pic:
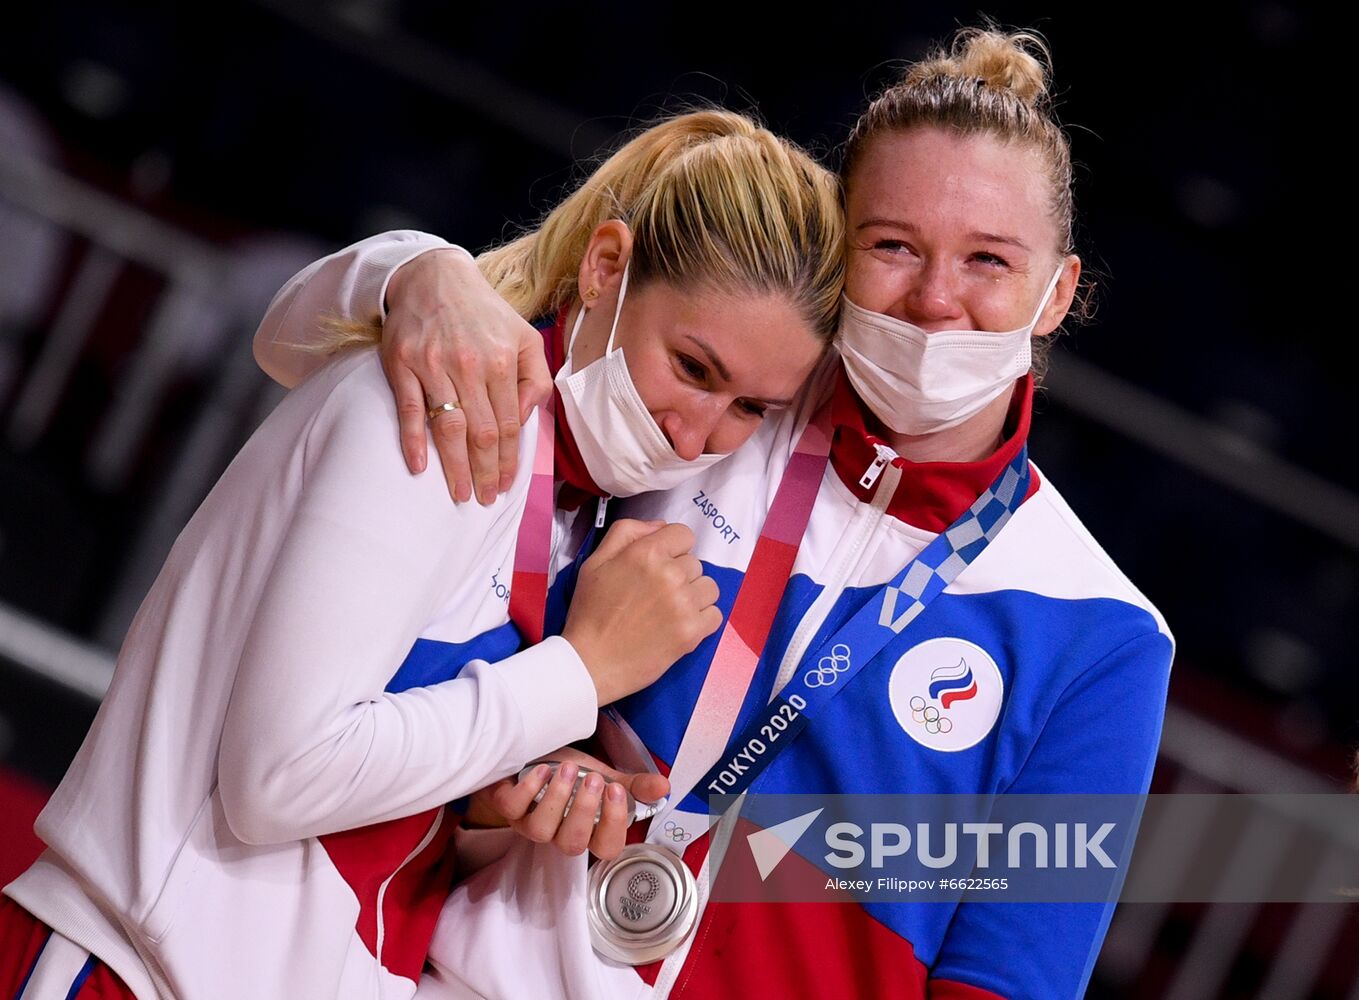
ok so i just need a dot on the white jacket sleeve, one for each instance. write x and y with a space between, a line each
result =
350 284
312 743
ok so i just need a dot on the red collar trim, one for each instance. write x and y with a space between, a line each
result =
930 495
570 470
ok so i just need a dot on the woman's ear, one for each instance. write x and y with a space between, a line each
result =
1062 297
606 256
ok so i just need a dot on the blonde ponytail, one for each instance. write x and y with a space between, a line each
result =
711 197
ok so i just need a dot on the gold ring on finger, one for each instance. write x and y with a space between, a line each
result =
434 411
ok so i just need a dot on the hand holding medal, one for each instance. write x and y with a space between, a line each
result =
578 804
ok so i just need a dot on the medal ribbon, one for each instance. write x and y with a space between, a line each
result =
757 602
839 659
532 550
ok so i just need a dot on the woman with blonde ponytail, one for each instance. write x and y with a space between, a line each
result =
333 653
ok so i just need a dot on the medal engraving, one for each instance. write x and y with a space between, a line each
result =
642 904
633 905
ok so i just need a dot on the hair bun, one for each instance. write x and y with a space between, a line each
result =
1016 61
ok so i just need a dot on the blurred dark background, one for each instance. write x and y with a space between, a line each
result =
164 168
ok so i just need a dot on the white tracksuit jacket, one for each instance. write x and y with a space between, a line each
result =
259 810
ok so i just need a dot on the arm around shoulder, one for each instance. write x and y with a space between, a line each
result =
350 284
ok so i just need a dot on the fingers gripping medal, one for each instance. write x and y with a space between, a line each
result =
635 810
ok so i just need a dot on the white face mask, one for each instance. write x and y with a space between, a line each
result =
917 382
624 451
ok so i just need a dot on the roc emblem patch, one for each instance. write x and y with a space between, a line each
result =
946 693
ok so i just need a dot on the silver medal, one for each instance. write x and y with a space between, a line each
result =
641 905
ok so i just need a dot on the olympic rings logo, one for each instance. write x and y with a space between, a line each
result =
929 717
677 833
644 886
830 668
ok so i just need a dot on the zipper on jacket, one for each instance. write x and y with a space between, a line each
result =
881 459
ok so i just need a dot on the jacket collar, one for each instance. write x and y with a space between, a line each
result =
930 495
568 463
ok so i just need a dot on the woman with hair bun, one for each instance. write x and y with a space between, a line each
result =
333 652
1019 658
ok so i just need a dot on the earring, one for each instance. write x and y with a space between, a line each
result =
590 294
